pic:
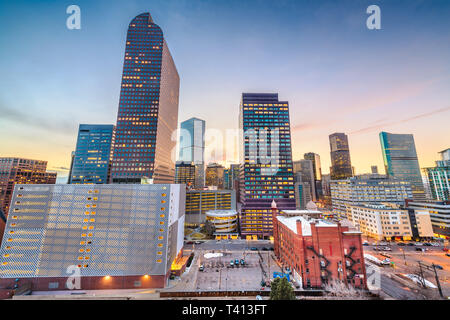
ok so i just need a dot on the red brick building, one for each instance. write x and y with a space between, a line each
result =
318 251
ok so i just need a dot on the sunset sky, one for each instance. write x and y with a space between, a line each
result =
337 75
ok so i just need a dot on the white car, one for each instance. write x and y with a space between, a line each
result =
418 244
435 244
386 261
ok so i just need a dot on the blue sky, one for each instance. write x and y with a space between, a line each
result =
336 74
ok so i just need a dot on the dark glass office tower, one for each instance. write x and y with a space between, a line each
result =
400 161
341 166
315 158
148 107
93 154
266 172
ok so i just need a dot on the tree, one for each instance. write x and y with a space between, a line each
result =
281 289
337 288
208 228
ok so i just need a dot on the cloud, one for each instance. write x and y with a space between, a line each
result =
380 124
34 119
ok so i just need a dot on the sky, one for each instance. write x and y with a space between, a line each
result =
336 74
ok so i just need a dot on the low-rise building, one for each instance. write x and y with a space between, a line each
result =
225 222
198 202
368 189
318 251
106 236
439 212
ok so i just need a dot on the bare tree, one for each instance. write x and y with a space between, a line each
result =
337 288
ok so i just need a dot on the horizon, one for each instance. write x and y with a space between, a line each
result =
337 75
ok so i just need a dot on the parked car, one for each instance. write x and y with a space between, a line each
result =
387 249
438 266
411 244
420 249
447 254
365 243
401 244
386 262
435 244
236 262
242 262
231 263
418 244
254 249
427 244
189 242
201 268
197 242
264 249
271 249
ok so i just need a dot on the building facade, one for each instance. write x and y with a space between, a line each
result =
341 165
93 154
439 212
198 202
215 176
400 161
439 177
185 173
315 158
148 107
20 171
192 147
224 221
266 171
390 222
366 190
306 169
318 251
113 236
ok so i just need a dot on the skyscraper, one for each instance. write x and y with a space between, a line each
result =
266 162
400 161
214 176
185 173
439 177
315 158
148 107
341 165
306 169
192 147
92 159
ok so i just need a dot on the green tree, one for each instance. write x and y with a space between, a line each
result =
281 289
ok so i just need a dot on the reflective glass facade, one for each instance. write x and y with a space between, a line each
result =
148 107
400 161
439 177
266 161
93 154
341 165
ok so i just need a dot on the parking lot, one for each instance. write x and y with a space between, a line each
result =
218 274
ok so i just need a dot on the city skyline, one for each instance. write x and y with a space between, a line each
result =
372 81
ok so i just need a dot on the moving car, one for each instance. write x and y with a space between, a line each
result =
438 266
387 249
447 254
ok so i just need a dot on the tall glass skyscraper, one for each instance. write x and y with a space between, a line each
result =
192 147
148 107
92 158
341 165
266 161
315 158
400 161
439 177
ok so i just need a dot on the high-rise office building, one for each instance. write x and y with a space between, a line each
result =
185 173
20 171
315 158
192 147
266 162
148 107
439 177
374 169
116 236
93 154
400 161
214 176
341 165
306 169
231 175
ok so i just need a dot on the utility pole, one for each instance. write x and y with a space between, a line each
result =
422 279
437 281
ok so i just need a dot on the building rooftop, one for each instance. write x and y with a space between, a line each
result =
291 223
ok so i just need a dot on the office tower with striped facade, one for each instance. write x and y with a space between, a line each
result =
341 165
148 107
266 172
91 162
